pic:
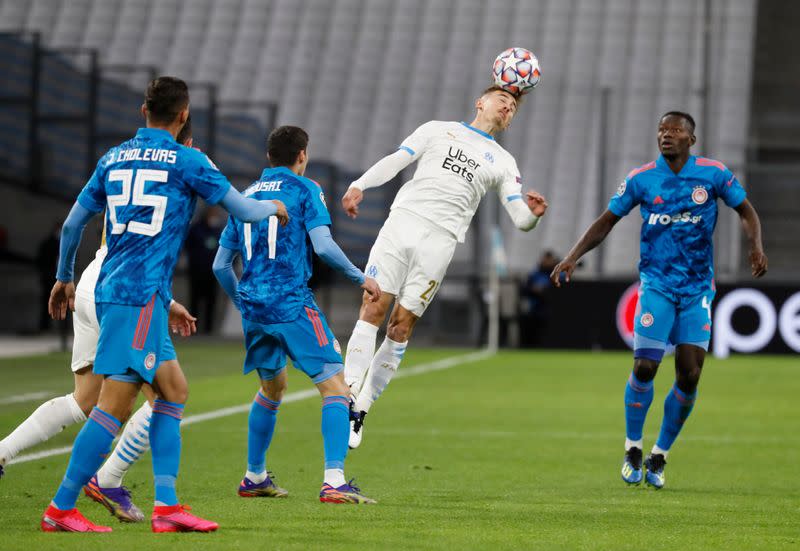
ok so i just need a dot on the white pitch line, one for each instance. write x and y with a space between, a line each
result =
25 397
438 365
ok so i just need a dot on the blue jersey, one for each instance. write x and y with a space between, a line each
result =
277 260
679 212
149 187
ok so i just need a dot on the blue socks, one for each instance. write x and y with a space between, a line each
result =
335 430
677 407
261 425
165 443
90 450
638 397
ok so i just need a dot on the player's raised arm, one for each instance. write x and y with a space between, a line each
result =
208 182
377 175
591 238
752 228
388 167
330 252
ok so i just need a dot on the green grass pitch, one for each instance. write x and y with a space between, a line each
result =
519 451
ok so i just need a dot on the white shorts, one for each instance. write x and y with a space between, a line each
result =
87 332
85 326
410 258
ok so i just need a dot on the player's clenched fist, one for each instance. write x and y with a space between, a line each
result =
536 202
351 200
372 288
282 214
62 296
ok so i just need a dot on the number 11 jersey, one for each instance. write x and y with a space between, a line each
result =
149 186
276 261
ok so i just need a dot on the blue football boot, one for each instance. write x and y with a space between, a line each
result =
632 466
655 470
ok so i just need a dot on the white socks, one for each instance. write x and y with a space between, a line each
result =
633 444
335 477
135 440
48 420
656 451
384 365
256 478
360 349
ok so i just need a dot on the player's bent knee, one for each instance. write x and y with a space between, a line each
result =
171 384
645 369
334 386
177 394
87 389
373 312
688 379
275 388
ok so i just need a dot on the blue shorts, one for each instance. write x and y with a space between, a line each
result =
665 318
133 340
308 341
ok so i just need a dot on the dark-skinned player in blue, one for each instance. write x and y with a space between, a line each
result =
280 317
677 196
148 187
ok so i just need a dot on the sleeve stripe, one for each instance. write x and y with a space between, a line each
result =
514 197
408 149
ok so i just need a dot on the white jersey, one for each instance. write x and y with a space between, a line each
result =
89 276
456 165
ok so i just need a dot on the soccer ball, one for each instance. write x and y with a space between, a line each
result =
516 70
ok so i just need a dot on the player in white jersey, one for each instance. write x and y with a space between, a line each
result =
458 163
55 415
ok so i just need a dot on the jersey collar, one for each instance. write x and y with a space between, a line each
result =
479 131
154 133
661 162
276 170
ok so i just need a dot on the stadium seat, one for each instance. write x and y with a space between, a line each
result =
363 75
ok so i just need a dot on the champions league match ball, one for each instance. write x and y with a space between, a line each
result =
516 70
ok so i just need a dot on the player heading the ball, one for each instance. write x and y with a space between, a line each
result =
457 164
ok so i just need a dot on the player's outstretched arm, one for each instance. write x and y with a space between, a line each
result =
327 249
591 238
752 228
251 210
377 175
223 271
62 296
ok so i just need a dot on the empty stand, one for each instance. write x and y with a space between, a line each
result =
363 74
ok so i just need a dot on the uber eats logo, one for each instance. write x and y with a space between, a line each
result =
457 161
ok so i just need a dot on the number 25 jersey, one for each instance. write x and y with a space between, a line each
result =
149 186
